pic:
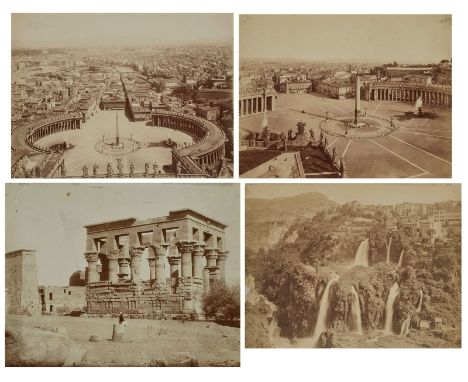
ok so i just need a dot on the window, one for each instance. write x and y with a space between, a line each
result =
50 296
64 291
69 292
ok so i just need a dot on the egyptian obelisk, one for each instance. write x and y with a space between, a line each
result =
357 106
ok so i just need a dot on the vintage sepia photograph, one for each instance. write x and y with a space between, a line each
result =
353 265
355 96
121 95
122 275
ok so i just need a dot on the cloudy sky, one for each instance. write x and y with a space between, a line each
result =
52 30
403 38
364 193
49 218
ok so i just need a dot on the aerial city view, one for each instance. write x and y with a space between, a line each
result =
358 96
353 265
144 284
146 100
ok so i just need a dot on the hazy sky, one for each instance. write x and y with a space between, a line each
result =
404 38
49 30
364 193
49 218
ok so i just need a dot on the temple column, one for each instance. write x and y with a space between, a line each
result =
211 255
206 279
124 268
185 250
91 271
159 256
197 261
113 266
104 276
152 267
174 263
221 263
135 260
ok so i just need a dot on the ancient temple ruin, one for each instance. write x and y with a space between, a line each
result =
190 245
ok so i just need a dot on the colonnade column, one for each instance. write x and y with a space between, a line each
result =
92 274
174 263
185 250
197 261
135 259
159 256
221 263
124 268
113 266
211 255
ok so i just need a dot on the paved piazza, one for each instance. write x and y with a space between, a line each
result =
421 147
86 144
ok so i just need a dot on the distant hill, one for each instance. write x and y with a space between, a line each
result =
266 220
283 208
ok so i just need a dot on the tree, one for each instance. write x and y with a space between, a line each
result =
222 303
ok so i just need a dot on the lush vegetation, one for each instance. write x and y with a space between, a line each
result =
293 273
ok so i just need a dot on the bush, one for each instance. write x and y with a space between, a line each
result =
222 303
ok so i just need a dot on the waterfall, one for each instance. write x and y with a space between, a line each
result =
394 290
362 254
388 249
356 311
418 309
400 260
321 324
405 327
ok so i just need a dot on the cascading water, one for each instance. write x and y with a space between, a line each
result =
356 311
362 254
405 327
418 309
400 260
388 249
321 324
394 290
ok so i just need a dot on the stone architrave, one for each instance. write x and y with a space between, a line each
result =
185 250
113 266
135 260
92 274
197 260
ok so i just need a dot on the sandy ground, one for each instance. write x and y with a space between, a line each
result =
210 343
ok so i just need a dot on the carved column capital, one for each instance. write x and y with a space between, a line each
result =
174 260
136 251
185 246
91 257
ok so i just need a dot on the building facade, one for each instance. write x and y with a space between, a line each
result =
185 252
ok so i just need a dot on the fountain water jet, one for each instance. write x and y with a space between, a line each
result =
356 311
321 324
400 260
362 254
388 249
418 106
394 290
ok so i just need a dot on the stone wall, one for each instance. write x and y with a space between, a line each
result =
62 299
21 283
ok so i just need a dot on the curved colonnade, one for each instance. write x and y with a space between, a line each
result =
208 148
53 125
434 95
